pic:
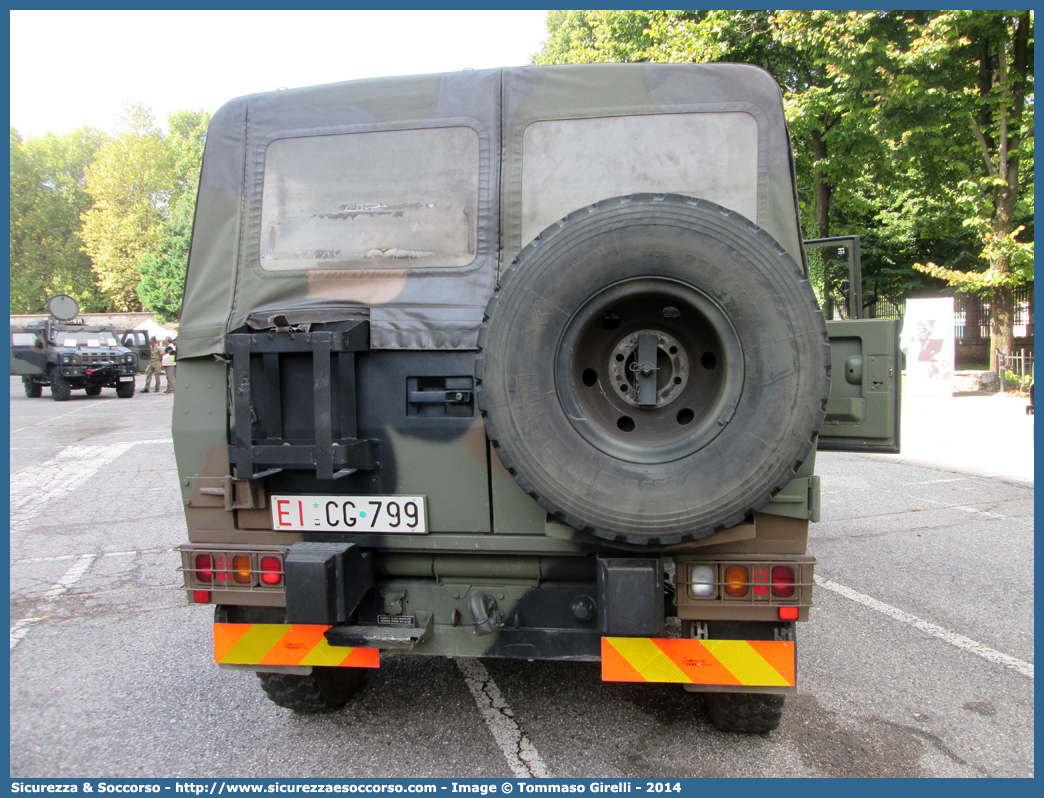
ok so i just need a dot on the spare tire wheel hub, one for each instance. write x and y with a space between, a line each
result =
647 370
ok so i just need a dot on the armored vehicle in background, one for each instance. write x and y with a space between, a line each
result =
68 355
519 362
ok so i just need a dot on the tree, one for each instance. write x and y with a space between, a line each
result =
972 74
130 182
48 195
911 129
163 270
826 61
136 180
186 140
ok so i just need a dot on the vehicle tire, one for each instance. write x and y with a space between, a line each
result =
744 713
93 390
33 389
325 690
61 390
646 452
125 390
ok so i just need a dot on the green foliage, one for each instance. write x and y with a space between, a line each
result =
131 183
968 79
911 129
186 140
136 179
584 37
47 196
1013 382
163 270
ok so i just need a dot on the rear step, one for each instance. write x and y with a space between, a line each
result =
396 638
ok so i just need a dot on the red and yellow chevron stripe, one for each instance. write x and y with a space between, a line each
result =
747 663
285 644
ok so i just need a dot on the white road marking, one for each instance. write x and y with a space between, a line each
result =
55 418
953 638
965 508
35 486
521 756
981 512
50 597
58 557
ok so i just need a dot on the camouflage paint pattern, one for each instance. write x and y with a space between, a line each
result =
486 535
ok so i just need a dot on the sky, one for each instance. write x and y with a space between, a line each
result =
189 60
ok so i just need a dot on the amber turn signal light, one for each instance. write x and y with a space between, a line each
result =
736 579
241 567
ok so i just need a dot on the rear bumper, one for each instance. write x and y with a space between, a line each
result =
698 665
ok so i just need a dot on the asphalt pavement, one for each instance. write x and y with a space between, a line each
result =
917 661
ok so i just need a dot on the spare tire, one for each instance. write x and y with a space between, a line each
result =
653 368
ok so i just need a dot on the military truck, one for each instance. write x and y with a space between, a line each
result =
69 355
517 362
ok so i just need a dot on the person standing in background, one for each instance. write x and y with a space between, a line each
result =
155 368
169 360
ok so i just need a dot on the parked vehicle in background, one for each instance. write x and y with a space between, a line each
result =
513 363
68 355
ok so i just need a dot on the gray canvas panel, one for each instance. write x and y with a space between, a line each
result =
415 306
425 328
571 163
468 99
533 95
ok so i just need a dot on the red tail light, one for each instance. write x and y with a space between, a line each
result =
223 566
782 581
201 596
204 568
271 570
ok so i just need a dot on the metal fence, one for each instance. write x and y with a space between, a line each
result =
1019 364
971 314
884 308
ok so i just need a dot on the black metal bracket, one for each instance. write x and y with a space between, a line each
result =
329 350
645 366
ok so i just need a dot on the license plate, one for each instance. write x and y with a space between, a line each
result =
397 515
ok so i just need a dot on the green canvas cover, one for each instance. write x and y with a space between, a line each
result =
401 199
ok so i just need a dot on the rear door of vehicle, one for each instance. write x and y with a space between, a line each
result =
863 411
28 354
138 342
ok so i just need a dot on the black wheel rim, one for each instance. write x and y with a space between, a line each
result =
627 405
